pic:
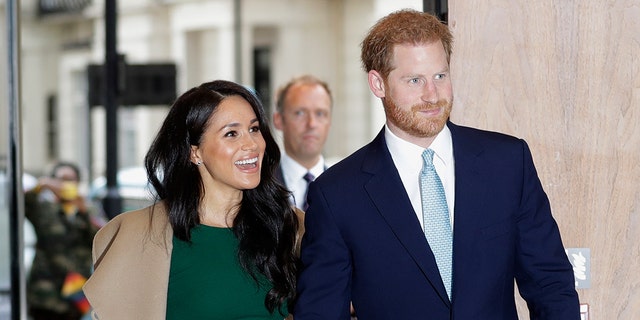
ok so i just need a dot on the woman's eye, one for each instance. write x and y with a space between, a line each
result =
231 134
254 129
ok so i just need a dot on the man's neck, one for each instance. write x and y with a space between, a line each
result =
307 163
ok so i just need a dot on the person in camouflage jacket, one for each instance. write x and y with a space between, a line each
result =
64 229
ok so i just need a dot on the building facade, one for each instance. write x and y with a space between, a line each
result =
259 43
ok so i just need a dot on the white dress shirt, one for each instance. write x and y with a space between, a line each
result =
407 158
293 175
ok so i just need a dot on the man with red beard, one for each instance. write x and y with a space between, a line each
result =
430 220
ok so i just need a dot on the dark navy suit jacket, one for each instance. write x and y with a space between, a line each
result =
364 244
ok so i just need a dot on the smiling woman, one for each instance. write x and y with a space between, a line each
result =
230 153
220 221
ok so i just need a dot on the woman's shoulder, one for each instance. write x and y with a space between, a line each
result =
151 217
137 226
129 217
131 263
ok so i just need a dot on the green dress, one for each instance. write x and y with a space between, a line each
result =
206 280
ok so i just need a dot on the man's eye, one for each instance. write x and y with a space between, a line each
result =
299 113
440 76
322 114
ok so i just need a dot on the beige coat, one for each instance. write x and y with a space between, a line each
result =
132 257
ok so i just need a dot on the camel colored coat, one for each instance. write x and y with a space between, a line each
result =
132 258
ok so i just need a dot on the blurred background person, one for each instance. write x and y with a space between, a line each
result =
220 242
64 229
303 114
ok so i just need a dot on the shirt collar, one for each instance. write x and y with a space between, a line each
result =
443 146
292 169
401 150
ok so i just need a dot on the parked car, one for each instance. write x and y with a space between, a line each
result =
133 187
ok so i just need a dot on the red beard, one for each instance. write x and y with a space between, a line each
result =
414 124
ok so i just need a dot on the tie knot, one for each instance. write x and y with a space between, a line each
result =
308 177
427 158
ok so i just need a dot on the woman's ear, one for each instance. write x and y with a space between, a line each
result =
376 84
195 155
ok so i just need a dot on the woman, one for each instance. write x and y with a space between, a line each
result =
221 241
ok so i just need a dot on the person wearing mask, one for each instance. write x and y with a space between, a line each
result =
430 220
64 227
303 114
220 242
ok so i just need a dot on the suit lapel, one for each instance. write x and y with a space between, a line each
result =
385 184
470 185
470 195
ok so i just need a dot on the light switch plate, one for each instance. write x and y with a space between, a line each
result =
580 259
584 311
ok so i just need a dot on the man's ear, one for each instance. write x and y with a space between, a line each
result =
277 120
376 84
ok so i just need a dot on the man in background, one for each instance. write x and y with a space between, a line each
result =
303 114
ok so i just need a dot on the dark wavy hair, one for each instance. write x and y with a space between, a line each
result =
266 223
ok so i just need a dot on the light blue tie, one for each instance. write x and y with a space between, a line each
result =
437 227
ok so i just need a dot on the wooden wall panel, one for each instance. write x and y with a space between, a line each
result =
565 76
